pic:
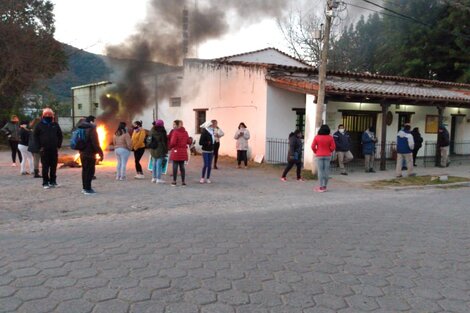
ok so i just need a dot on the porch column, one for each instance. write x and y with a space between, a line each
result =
440 112
310 132
383 156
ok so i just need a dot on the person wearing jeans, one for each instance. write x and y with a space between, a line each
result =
242 136
122 147
179 141
158 149
323 146
207 141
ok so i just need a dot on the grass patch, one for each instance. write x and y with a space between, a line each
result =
425 180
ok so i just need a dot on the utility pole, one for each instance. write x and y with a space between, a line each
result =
321 105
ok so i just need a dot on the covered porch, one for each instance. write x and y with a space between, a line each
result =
385 102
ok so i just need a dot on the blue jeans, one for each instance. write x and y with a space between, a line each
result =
122 155
207 157
323 165
157 168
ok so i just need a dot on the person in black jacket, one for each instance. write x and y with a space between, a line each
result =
443 143
48 136
343 147
207 141
294 156
25 133
88 154
418 139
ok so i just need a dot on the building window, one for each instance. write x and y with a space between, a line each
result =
300 119
79 106
200 119
175 102
403 118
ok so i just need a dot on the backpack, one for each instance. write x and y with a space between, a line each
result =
151 142
77 142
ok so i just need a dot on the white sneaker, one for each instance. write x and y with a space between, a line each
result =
202 181
154 180
139 176
208 181
160 181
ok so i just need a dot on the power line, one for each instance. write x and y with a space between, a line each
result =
376 11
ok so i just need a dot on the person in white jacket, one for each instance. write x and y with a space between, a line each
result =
218 133
242 136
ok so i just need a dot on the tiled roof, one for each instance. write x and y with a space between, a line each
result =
376 89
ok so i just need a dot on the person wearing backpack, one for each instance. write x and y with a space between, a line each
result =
48 136
158 149
88 154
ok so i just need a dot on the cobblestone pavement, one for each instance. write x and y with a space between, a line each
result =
245 245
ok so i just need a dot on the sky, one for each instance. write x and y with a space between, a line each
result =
92 24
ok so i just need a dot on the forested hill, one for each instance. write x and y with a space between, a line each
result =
84 68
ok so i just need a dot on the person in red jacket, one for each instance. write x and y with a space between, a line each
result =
179 141
323 145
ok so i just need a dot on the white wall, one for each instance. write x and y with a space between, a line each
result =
281 119
231 94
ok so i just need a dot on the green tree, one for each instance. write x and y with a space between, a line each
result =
28 50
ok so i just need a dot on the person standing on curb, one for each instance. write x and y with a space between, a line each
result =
88 153
294 156
405 146
218 133
12 131
418 139
207 141
343 147
33 147
369 140
138 146
323 146
179 151
242 136
443 143
159 151
48 136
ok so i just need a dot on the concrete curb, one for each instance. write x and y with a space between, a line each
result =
460 184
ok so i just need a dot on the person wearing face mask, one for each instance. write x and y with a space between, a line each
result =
12 131
138 146
343 147
48 136
368 149
242 136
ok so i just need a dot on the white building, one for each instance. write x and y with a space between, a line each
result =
274 94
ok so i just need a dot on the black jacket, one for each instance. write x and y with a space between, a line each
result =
92 143
24 136
295 148
48 136
342 141
206 141
443 139
418 139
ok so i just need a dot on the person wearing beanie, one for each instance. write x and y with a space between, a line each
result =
48 136
138 146
25 133
158 150
12 131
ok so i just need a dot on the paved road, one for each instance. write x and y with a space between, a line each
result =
247 243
